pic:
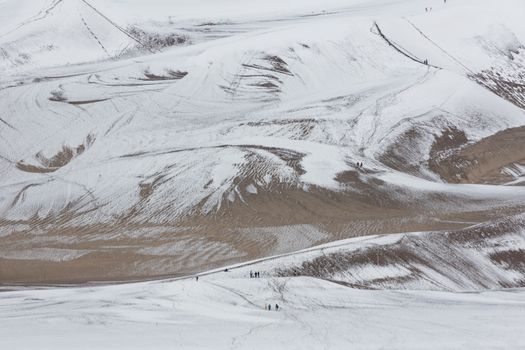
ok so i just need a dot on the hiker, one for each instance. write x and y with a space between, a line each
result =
269 307
251 274
225 270
276 307
196 278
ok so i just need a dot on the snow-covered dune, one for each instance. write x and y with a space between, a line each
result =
219 314
228 309
484 256
157 138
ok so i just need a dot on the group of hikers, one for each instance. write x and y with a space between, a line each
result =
359 164
256 274
253 274
269 307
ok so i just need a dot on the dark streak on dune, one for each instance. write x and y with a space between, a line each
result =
459 260
57 161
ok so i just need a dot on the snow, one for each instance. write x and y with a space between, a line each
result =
313 80
358 92
44 254
517 172
225 308
226 313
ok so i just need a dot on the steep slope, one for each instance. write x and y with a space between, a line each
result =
122 158
61 32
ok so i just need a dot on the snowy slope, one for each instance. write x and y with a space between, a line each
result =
484 256
176 135
223 312
315 314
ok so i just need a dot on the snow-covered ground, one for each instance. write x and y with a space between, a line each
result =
164 137
226 310
459 303
188 122
141 139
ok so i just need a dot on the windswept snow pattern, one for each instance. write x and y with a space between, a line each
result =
173 137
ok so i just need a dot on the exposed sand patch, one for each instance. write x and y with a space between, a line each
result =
57 161
483 161
280 220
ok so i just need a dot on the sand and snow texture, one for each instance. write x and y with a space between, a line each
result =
226 310
131 128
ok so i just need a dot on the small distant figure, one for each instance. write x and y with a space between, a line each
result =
276 307
269 307
251 274
225 270
196 278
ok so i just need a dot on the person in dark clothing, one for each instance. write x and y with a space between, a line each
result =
196 278
276 307
251 274
269 307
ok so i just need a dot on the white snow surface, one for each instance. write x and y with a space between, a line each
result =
310 77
